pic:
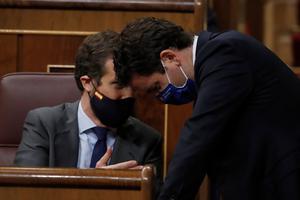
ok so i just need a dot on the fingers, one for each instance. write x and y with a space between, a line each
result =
123 165
138 167
102 163
105 158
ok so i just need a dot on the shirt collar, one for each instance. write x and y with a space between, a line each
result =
84 122
194 48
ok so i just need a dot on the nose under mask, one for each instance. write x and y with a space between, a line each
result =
178 95
110 112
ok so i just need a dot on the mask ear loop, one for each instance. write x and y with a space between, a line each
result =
98 94
186 78
184 74
165 71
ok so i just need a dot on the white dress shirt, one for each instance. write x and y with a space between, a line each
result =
194 48
88 139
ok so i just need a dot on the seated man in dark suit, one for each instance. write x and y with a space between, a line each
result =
98 125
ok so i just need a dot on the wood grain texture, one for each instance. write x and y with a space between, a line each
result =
296 70
69 183
75 177
145 5
45 193
227 14
177 115
254 18
81 20
150 111
38 51
8 53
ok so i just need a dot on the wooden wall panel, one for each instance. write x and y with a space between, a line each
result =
176 118
254 18
242 15
8 53
150 111
37 51
227 13
80 20
279 23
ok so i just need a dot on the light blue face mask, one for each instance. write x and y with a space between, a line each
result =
178 95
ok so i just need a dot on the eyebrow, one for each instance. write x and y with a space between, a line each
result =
115 82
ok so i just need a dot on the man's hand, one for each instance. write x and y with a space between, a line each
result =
102 163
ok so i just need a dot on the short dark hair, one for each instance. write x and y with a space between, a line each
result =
93 54
141 42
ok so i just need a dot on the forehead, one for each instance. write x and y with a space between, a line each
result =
109 72
143 83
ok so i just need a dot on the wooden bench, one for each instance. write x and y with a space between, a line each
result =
75 184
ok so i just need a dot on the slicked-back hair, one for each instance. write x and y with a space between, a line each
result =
141 43
93 54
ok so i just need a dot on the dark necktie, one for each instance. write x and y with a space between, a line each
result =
100 146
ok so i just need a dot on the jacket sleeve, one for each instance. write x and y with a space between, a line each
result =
34 147
224 86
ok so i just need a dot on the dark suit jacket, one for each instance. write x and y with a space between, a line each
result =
244 131
51 138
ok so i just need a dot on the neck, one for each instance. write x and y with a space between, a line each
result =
187 61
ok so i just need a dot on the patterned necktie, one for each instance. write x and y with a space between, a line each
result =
100 146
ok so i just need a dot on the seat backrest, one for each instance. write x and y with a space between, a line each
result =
23 91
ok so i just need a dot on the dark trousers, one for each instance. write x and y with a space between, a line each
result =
287 188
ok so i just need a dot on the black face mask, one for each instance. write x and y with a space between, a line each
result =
112 113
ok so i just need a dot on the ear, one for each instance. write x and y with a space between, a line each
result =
86 83
169 56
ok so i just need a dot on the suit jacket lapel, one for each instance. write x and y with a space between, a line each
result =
67 140
123 151
124 148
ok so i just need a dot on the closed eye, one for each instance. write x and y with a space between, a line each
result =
154 89
117 85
